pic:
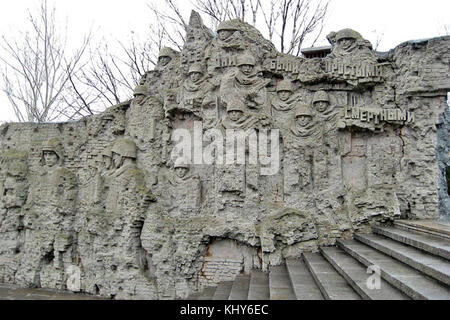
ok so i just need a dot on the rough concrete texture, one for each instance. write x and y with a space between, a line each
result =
101 206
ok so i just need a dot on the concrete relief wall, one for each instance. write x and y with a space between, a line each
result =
230 156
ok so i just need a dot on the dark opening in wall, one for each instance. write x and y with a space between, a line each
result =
49 257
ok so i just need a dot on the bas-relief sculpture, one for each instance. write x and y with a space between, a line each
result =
103 206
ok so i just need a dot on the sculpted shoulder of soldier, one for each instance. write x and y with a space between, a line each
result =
123 154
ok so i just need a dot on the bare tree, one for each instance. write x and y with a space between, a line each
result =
288 23
112 77
168 25
45 83
38 71
112 74
379 39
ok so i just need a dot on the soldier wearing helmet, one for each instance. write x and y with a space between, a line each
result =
246 64
303 115
226 29
184 189
195 73
124 163
181 168
50 212
52 153
126 203
247 85
347 34
284 90
105 159
303 132
283 104
346 40
165 56
235 110
194 89
238 116
350 44
140 93
321 101
123 153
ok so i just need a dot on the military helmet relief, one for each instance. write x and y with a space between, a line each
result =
230 156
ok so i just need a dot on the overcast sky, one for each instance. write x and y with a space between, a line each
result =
398 20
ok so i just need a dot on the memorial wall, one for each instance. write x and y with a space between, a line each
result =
231 156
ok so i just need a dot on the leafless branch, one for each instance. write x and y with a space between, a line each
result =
37 71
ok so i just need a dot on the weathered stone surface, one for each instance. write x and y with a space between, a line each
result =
111 204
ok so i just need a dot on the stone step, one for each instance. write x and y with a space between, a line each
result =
14 292
207 293
435 228
239 290
432 244
357 276
405 278
305 288
223 290
280 284
194 296
433 266
332 285
259 286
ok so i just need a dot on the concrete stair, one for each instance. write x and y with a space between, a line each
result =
223 290
280 285
239 290
435 267
357 276
331 283
429 243
305 288
411 259
259 286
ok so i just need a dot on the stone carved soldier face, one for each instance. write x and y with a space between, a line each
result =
235 115
181 172
224 35
347 44
117 160
195 76
246 69
164 60
50 158
303 120
284 95
321 106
